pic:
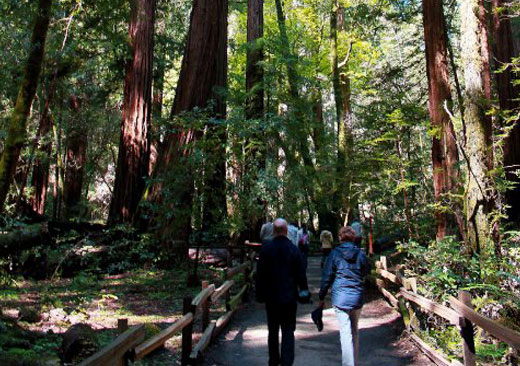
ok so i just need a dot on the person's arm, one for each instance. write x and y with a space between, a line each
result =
327 278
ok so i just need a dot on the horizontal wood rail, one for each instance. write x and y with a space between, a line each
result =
158 340
461 314
222 290
506 335
131 344
432 353
204 341
430 306
236 270
203 296
116 352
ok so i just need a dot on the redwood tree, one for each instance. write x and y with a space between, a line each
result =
17 133
76 157
445 158
201 73
481 192
508 94
134 146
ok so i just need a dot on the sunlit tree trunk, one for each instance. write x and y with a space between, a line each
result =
255 159
508 94
17 133
198 78
76 158
134 146
481 192
342 96
446 176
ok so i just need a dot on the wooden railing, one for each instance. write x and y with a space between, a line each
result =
131 344
461 314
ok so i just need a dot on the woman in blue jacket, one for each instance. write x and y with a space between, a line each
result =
345 270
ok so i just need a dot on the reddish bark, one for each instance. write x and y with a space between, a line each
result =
508 93
444 147
76 156
134 147
201 72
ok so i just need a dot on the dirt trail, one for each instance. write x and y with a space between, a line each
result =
380 327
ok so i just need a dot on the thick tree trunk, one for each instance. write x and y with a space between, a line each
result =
481 192
17 133
196 87
342 94
215 205
446 176
508 94
134 146
76 156
254 157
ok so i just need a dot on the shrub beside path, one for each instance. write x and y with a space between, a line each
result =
380 328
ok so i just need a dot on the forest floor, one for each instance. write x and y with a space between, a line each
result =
380 341
46 309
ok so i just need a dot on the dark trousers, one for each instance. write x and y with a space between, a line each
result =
281 316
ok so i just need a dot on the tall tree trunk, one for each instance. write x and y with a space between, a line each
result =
255 57
255 159
40 177
76 156
198 78
215 205
134 146
508 94
481 192
446 176
17 133
342 94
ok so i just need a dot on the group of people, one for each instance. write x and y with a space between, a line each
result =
299 236
282 282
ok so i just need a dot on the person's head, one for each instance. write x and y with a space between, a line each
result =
280 227
346 233
304 228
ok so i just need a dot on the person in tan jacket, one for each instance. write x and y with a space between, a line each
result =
326 240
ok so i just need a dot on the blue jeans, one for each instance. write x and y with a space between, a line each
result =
348 333
281 316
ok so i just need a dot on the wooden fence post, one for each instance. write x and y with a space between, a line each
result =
122 325
466 332
384 263
205 308
187 332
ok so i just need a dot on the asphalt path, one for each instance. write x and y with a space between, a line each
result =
245 343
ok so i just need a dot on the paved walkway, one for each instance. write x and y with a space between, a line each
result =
245 343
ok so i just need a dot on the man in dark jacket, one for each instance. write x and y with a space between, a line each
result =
280 273
345 270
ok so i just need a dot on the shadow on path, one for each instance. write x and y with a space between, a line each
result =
245 343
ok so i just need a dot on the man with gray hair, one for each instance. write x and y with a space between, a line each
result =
280 273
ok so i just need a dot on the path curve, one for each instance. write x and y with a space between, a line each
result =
245 343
